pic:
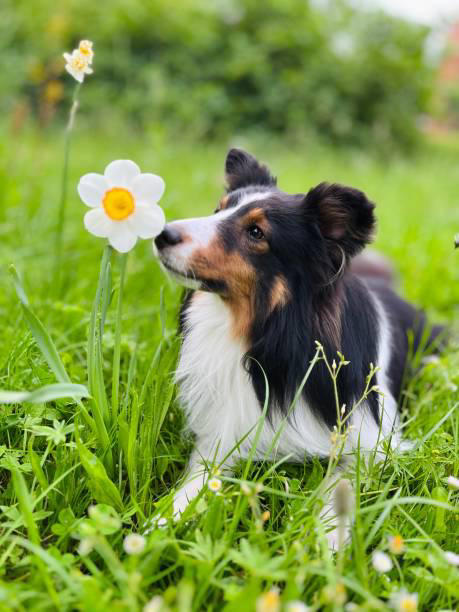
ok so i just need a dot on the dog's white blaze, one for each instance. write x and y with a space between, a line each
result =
200 231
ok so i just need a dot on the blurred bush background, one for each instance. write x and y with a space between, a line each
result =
303 68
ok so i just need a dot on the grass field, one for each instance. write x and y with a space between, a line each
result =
228 551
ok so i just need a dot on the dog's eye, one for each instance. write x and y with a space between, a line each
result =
255 232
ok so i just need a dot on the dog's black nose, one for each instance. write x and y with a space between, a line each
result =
168 237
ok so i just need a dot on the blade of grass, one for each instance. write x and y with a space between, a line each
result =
117 347
44 394
26 508
45 343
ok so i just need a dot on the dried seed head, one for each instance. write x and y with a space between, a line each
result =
343 498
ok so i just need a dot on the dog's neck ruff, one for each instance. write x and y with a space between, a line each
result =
221 406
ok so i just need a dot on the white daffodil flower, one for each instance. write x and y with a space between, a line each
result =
77 64
85 48
124 204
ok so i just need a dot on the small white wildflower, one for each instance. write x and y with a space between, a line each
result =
402 601
246 489
452 558
430 359
453 482
85 547
296 606
85 48
123 204
396 544
77 65
134 544
381 561
214 484
269 602
154 605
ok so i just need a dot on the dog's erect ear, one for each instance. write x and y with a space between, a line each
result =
344 215
242 170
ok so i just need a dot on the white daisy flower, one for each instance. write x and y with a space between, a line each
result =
85 48
124 204
402 601
296 606
214 484
452 558
154 605
453 482
381 562
134 544
269 602
77 65
85 547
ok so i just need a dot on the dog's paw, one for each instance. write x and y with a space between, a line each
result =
181 503
154 523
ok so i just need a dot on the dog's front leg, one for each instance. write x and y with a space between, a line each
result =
195 479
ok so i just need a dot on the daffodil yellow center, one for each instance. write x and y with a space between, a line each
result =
79 63
118 203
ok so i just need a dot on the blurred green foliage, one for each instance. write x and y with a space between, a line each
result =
301 67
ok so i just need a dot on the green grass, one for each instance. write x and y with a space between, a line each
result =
225 552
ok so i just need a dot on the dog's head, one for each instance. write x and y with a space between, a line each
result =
261 242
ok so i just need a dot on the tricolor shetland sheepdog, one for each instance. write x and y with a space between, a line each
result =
271 274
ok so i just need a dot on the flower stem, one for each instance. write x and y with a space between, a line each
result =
95 364
63 198
117 348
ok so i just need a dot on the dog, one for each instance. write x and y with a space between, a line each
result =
269 276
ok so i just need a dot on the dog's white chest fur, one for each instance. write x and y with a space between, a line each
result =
218 397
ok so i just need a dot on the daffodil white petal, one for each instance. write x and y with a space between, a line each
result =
121 173
67 57
122 238
147 188
147 221
98 224
77 75
91 189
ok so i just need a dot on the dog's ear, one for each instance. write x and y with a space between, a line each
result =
242 170
344 215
